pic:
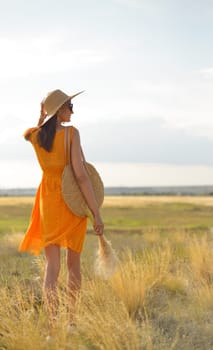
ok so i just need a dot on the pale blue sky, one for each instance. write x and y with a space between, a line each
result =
146 66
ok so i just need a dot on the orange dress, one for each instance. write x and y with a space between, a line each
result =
52 222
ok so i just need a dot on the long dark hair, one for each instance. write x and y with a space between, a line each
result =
46 134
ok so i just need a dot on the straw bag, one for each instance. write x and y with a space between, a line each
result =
71 192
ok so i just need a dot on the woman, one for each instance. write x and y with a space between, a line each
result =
52 224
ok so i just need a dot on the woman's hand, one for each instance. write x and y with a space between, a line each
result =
98 224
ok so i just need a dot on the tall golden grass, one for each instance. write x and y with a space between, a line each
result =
156 299
160 297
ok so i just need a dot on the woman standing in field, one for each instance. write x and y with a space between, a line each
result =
52 223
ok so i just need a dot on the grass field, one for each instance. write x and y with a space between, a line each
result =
160 297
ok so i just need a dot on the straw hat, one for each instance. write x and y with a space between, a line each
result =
53 101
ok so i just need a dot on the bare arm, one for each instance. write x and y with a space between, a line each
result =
29 131
84 181
43 114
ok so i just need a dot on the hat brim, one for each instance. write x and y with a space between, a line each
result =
48 117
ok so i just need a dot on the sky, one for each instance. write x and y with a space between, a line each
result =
146 66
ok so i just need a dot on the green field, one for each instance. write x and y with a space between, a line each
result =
124 214
160 297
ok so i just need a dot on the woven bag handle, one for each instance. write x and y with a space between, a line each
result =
67 149
67 144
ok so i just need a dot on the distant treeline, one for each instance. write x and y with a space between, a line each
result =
129 191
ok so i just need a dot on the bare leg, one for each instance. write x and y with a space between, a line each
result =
52 253
73 280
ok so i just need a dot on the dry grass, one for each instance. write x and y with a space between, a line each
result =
159 298
129 201
141 201
16 200
155 300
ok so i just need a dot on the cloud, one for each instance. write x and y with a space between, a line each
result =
198 129
206 73
132 3
43 55
192 9
136 141
145 141
145 4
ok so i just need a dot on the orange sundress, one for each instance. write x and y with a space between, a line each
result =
52 222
